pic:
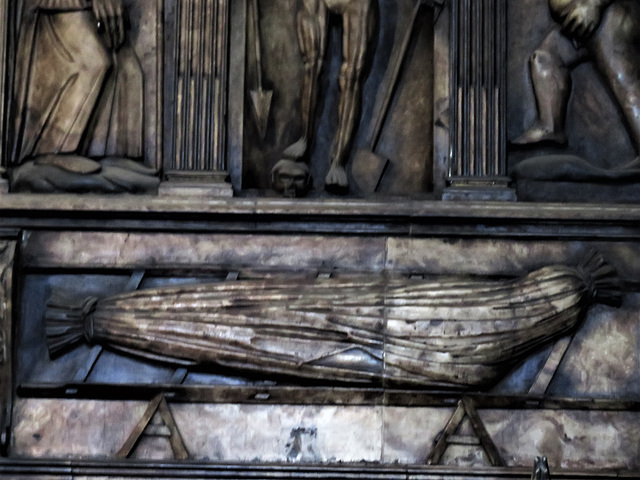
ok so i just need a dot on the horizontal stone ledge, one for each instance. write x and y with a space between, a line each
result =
303 255
317 395
194 470
34 204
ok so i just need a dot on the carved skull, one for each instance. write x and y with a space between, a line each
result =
291 178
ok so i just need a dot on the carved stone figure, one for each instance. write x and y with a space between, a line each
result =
358 20
78 96
290 178
454 333
607 32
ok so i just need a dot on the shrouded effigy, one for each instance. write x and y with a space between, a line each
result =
453 332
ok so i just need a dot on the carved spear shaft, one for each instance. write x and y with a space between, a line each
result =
260 98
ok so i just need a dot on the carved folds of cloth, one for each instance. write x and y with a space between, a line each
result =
78 97
454 332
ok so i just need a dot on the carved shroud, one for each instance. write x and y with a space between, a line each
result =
454 333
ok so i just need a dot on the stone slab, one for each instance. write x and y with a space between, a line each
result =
133 250
279 434
572 439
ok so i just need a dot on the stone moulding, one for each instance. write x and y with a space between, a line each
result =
194 470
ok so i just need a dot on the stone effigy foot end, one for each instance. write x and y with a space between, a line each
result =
541 135
296 150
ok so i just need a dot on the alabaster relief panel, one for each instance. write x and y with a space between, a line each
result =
339 96
573 91
349 98
342 96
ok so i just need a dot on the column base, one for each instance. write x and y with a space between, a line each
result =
196 185
490 189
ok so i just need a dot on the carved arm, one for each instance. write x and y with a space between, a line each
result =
109 14
579 18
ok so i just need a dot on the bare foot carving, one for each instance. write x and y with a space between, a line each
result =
336 178
541 134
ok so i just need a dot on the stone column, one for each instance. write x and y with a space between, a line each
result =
196 160
5 41
7 255
477 168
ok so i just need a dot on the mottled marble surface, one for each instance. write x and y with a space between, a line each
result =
81 429
569 439
309 434
409 433
604 358
328 434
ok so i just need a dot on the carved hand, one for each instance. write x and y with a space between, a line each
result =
110 14
582 17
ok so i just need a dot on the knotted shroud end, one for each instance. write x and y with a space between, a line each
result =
601 279
66 320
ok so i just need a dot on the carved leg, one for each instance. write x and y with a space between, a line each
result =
358 23
116 127
616 53
551 65
312 39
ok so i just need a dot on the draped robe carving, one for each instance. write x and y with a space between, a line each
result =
78 99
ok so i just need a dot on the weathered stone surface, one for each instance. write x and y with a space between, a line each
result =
314 252
153 449
411 209
59 428
173 250
604 358
47 477
327 434
569 439
477 257
465 456
281 434
409 433
502 256
226 433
